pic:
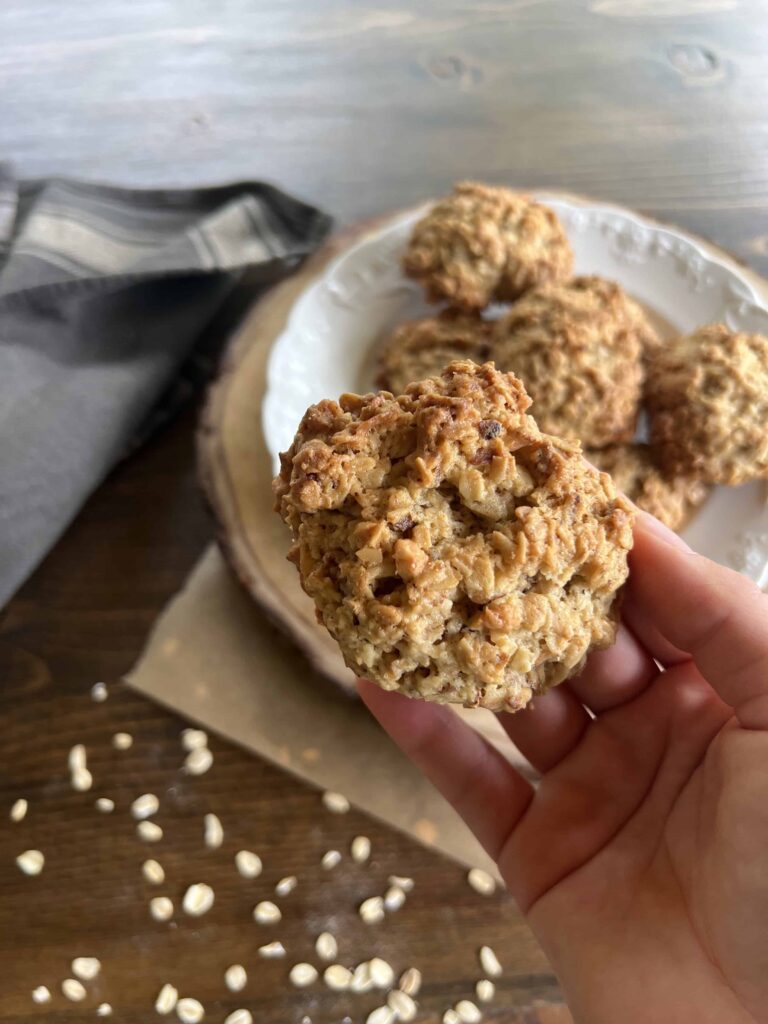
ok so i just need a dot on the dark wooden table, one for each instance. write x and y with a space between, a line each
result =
662 105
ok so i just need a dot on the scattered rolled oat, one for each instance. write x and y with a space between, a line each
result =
166 999
239 1017
406 884
104 805
122 741
19 810
302 975
401 1004
31 862
153 872
193 739
382 974
198 899
73 990
248 864
86 968
99 692
149 831
81 780
410 981
451 1017
337 977
266 912
330 859
161 908
145 806
77 758
336 803
394 897
372 910
286 885
198 761
326 946
235 978
272 950
41 994
381 1015
190 1011
485 990
361 978
489 962
104 1010
213 833
482 882
468 1012
360 849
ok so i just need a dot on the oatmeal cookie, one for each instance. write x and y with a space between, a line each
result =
635 471
578 349
455 552
482 243
707 396
423 348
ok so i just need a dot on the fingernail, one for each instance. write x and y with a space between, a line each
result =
650 524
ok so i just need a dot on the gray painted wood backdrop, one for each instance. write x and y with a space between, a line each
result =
362 106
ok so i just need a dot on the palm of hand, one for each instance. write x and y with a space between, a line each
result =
640 859
636 866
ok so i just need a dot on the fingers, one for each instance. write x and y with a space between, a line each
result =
548 729
714 614
475 778
616 675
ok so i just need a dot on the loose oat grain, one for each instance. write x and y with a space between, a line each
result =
381 1015
104 805
73 990
31 862
149 831
198 761
468 1012
235 978
485 990
410 981
248 864
166 999
394 898
145 806
302 975
326 946
337 977
161 908
153 872
213 832
286 885
239 1017
272 950
360 849
104 1010
331 858
190 1011
372 910
41 994
482 882
382 974
336 803
19 810
266 912
402 1005
198 899
489 962
193 739
122 741
86 968
99 692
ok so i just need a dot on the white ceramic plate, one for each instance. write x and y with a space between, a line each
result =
329 343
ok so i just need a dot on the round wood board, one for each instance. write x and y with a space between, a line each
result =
236 470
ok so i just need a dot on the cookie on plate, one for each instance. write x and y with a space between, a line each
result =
578 349
423 348
707 397
455 552
636 473
482 243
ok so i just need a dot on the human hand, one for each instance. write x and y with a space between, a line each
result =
641 859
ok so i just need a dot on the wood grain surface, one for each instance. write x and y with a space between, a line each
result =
362 107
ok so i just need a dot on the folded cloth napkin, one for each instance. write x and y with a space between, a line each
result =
103 294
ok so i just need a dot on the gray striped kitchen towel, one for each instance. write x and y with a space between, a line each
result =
104 293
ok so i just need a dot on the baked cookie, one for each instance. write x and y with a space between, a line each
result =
635 472
482 243
578 349
707 396
455 552
423 348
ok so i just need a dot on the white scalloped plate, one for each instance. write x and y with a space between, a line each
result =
329 343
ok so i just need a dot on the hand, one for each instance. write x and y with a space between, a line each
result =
641 859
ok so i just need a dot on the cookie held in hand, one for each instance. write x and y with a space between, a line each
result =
455 552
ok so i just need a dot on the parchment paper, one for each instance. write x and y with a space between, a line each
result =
215 658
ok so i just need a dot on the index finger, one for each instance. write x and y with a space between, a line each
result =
715 614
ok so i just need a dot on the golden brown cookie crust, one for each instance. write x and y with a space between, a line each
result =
423 348
578 349
482 243
455 552
636 473
707 396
